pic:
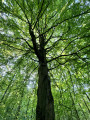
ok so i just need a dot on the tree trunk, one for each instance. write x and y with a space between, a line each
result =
45 102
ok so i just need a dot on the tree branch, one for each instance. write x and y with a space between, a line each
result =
75 53
85 12
49 38
39 14
26 42
13 47
22 11
7 89
33 39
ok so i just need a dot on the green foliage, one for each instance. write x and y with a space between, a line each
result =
65 27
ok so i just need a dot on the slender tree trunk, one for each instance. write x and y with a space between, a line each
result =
45 102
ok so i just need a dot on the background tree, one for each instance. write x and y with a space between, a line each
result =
44 42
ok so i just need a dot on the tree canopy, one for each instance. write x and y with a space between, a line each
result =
65 27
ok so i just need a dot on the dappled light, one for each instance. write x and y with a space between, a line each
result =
44 59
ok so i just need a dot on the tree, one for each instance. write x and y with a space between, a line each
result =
51 37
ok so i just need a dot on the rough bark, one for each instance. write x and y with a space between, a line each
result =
45 102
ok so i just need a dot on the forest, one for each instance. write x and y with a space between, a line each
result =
44 60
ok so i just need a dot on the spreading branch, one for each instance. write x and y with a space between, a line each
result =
53 26
74 53
26 42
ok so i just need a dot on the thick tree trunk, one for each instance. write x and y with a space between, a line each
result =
45 102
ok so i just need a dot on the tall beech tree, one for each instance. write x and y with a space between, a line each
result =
44 42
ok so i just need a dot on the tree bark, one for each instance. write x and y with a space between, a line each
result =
45 102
